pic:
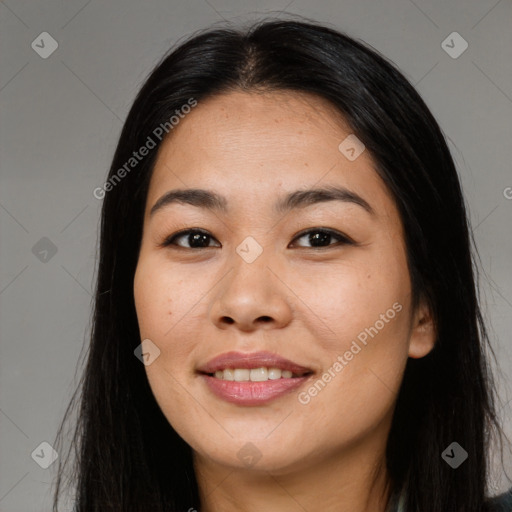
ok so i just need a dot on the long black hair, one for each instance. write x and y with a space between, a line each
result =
126 455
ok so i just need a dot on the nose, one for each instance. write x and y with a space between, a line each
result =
252 296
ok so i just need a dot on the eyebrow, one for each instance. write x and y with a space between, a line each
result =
210 200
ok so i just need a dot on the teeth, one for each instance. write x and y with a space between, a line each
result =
259 374
242 374
227 374
253 375
274 373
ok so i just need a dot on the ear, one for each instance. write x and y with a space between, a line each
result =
423 332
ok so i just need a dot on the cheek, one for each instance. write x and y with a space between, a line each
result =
363 310
169 304
156 289
340 301
163 300
151 301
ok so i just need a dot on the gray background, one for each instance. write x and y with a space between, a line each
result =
61 117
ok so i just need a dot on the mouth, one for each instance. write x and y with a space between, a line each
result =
252 379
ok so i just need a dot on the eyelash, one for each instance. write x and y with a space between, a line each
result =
343 239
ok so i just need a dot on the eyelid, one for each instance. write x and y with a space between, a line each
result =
342 237
169 239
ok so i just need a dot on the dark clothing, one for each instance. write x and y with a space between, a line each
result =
501 503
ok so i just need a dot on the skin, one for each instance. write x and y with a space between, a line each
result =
304 303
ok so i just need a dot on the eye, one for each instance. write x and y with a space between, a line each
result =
320 237
200 239
196 238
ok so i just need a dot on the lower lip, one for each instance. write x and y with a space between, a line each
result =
252 393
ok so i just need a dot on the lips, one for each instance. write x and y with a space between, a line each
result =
249 392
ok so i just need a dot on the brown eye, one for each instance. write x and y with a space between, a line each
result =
321 237
196 238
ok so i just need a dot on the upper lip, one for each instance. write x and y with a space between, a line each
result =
252 360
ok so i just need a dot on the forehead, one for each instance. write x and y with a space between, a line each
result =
256 146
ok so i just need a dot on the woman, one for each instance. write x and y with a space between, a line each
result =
286 315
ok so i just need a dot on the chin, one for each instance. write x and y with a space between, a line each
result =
265 456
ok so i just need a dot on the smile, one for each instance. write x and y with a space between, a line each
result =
252 379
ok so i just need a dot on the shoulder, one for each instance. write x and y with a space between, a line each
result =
501 503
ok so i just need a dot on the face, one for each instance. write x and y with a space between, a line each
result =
318 287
